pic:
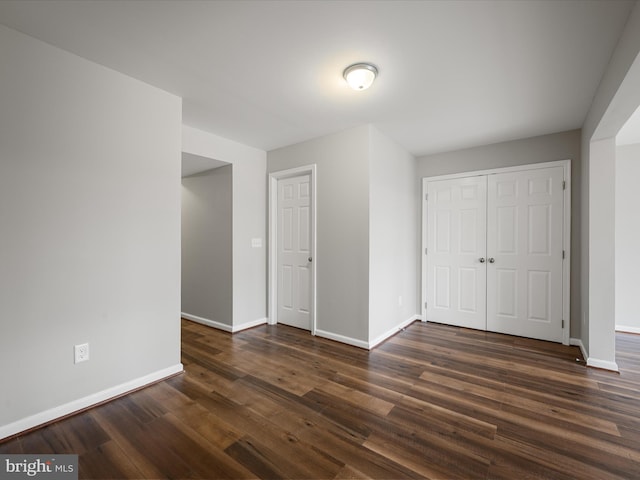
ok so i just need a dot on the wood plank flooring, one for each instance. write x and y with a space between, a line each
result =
432 402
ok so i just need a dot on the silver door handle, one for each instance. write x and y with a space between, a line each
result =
481 259
491 260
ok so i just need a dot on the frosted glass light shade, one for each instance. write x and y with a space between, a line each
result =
360 76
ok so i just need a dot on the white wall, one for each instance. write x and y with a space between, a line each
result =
602 260
627 233
393 237
524 151
90 241
249 211
207 278
342 261
544 148
616 99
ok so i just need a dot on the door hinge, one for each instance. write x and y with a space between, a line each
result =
425 251
564 184
562 323
426 196
563 254
425 305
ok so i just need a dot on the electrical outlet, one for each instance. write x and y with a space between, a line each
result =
81 353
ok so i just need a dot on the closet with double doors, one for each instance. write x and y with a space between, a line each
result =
496 247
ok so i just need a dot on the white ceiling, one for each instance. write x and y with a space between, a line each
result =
453 74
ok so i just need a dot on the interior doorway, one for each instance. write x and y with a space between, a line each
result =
292 248
627 238
207 263
599 295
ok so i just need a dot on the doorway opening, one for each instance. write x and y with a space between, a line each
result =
627 238
207 263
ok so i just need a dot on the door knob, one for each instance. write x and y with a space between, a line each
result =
481 259
309 259
491 260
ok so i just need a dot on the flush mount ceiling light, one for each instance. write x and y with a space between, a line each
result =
360 76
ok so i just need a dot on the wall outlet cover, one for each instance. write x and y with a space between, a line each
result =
81 353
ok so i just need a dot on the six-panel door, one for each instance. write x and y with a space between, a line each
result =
524 239
456 245
294 251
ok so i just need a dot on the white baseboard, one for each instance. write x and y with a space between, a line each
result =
224 326
244 326
603 364
626 329
342 339
390 333
361 343
207 322
593 362
578 342
74 406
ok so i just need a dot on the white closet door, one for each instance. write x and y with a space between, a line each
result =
524 253
456 243
294 252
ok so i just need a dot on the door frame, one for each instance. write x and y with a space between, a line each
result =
566 233
274 178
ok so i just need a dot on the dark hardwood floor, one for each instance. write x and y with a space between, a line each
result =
434 401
